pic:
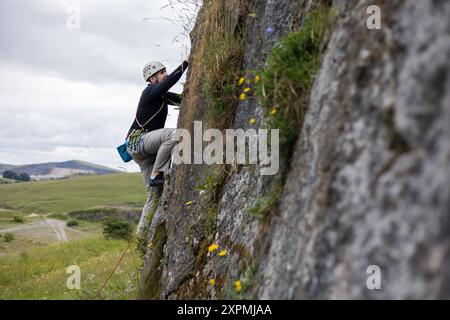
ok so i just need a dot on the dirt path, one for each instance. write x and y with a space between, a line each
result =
57 226
31 225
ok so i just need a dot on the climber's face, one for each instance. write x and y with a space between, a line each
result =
159 77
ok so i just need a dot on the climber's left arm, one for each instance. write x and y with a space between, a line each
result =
174 98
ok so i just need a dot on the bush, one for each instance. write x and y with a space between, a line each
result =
18 219
9 174
9 237
72 223
13 175
24 177
117 229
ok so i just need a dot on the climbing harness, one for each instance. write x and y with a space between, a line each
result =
133 140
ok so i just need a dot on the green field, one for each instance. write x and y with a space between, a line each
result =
76 193
40 273
33 265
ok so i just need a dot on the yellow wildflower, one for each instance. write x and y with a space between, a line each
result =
252 121
213 247
223 253
237 286
247 90
212 282
257 78
243 96
241 81
189 203
274 111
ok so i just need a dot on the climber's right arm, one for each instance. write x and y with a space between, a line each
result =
157 90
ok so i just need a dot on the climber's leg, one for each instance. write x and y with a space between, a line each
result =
143 222
145 163
163 141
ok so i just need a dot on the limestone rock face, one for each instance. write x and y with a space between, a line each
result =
368 183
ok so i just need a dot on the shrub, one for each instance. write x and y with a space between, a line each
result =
117 229
9 174
24 177
13 175
9 237
72 223
18 219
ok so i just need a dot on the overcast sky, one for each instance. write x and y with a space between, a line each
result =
71 93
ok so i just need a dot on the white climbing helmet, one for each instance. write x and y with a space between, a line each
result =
151 68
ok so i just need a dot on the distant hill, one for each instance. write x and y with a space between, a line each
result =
58 170
4 167
75 194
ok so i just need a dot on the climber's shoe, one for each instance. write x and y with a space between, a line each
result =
157 181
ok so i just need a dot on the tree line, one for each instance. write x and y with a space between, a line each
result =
8 174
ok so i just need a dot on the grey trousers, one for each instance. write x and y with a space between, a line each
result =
154 152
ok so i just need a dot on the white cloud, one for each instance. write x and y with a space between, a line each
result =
73 94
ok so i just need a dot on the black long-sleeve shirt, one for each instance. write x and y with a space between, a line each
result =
157 96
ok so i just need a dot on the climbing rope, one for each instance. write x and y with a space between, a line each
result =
115 267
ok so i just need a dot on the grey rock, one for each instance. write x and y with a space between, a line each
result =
368 182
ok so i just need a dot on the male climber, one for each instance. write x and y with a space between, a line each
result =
148 142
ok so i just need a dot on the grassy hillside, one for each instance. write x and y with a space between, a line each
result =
40 273
6 181
34 264
76 193
45 168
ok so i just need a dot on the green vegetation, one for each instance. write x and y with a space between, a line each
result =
10 217
58 215
264 206
9 214
16 176
41 273
34 266
9 237
152 286
6 181
72 223
290 73
101 213
222 58
142 243
18 219
247 282
73 194
212 181
210 221
211 184
117 229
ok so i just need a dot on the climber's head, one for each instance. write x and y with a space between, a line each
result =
154 72
158 77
